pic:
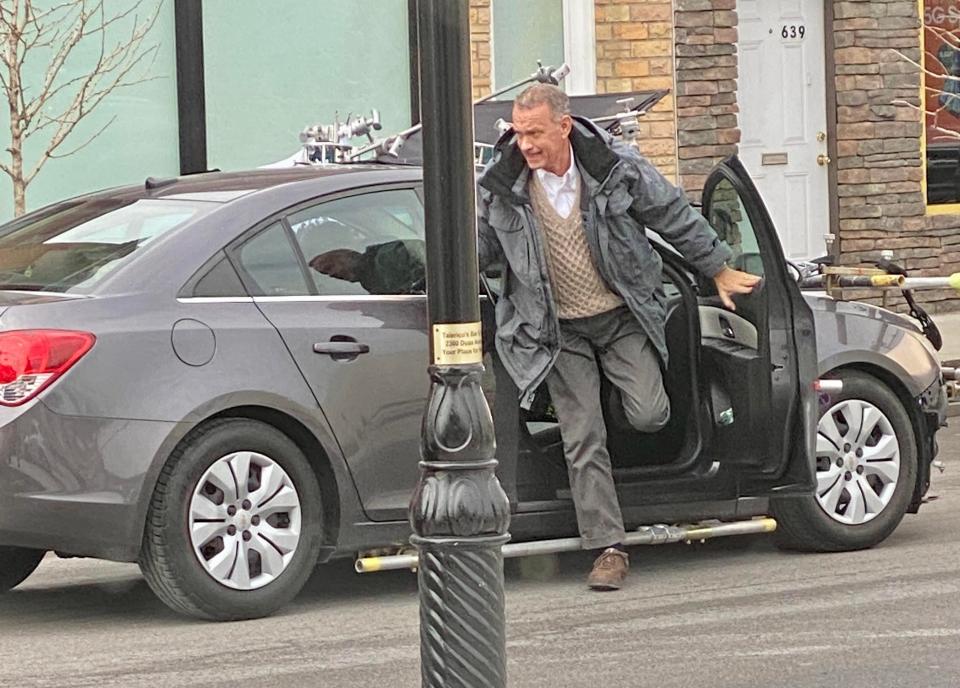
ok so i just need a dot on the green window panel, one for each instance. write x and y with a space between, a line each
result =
522 33
272 68
141 138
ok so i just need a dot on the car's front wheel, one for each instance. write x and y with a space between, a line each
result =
16 564
866 471
235 523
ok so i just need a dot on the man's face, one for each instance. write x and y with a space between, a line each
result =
544 141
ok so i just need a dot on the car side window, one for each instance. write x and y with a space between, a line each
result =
271 264
219 281
729 218
370 243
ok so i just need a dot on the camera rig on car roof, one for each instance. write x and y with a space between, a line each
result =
325 144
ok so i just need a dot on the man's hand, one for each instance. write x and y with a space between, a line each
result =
730 281
340 263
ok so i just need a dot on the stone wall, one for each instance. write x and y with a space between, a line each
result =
708 132
635 53
879 161
480 47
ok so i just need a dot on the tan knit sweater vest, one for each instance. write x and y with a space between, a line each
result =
578 289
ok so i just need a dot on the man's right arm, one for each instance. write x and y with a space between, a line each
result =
489 250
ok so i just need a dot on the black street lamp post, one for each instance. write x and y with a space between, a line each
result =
459 512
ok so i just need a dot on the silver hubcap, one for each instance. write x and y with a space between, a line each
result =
858 462
245 520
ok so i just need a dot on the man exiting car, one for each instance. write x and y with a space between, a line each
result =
564 208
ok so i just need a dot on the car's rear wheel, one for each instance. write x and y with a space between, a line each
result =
235 523
16 564
866 471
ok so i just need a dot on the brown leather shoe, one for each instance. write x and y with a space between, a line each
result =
609 570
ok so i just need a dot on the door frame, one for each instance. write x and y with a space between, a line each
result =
830 111
830 67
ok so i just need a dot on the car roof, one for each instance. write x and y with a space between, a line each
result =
222 187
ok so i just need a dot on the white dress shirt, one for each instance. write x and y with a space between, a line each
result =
561 191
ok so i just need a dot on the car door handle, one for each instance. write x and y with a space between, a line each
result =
341 348
726 328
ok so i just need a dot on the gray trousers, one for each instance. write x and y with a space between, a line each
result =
629 362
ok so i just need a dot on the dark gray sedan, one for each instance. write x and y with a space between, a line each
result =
188 380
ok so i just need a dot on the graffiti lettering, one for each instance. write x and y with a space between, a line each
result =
938 16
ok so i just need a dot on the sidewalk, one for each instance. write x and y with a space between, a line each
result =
949 324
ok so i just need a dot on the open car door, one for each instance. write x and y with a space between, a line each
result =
759 361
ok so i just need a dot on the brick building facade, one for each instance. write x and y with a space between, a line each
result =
877 183
634 52
879 157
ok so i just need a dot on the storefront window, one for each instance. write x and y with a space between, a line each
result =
941 20
524 32
273 68
551 31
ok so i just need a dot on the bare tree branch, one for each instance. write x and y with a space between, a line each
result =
907 103
119 62
90 95
945 35
945 77
56 64
50 11
84 144
942 73
123 15
105 63
44 35
8 20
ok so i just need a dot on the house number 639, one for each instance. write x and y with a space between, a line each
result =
793 31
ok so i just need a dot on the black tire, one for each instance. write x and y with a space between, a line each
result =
803 524
169 564
16 564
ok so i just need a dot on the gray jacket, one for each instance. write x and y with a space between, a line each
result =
621 193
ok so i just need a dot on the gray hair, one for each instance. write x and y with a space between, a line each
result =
540 94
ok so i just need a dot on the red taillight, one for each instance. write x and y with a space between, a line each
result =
31 360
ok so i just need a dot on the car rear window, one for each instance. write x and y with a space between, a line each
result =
74 248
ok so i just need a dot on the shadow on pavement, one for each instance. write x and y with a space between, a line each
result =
123 595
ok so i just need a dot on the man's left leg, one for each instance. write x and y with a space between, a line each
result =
630 362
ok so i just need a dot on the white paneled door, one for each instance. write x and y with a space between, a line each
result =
782 94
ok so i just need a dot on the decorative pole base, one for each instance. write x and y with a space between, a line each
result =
462 631
460 515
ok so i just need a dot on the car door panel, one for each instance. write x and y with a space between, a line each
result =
342 282
365 360
769 384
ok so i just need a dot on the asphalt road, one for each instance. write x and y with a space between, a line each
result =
718 615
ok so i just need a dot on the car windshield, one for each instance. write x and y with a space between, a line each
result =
73 247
